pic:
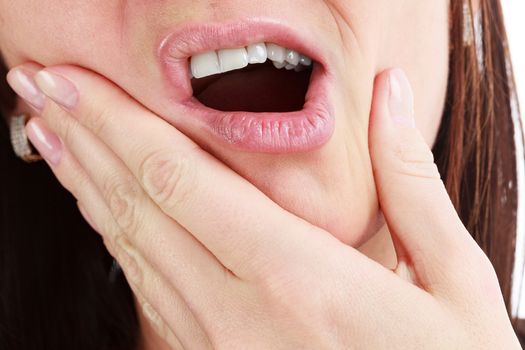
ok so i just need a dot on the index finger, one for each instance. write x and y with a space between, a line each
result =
207 198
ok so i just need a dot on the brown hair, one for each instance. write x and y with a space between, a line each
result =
475 149
475 152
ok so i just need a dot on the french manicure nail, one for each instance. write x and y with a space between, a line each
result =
22 82
44 140
401 99
58 88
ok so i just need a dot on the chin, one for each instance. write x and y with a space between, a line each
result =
349 215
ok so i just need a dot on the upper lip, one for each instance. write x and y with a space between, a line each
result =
177 47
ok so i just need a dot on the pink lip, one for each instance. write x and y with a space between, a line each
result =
276 133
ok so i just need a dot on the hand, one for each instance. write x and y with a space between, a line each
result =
233 276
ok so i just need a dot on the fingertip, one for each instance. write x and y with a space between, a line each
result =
21 80
393 99
400 99
380 123
392 109
58 88
379 108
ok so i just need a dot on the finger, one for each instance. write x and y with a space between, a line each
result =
176 323
202 194
119 188
170 249
155 322
162 306
426 229
152 286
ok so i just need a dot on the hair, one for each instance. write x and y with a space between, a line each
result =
54 287
476 145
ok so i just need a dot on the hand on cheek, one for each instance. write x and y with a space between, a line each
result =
220 273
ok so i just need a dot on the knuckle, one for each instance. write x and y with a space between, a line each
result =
414 158
52 114
482 268
126 256
96 119
472 272
77 183
122 198
289 284
68 130
109 229
159 325
168 177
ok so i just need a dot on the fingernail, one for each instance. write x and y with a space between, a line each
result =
86 216
58 88
401 99
22 82
44 140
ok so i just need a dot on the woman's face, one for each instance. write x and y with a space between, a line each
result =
331 184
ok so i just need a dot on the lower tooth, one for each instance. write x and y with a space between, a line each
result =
289 66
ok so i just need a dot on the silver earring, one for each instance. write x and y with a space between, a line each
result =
19 140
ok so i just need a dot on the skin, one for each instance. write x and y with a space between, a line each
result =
271 281
340 206
341 195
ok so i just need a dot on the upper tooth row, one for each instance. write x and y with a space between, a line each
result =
225 60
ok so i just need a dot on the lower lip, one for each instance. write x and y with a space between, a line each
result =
276 133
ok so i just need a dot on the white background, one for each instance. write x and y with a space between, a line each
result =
514 11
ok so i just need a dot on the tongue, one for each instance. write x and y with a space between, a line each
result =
262 88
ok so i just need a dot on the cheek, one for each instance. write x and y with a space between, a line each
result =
421 47
63 28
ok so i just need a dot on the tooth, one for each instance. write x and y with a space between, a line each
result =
205 64
232 59
257 53
276 53
305 60
299 68
279 65
292 57
289 66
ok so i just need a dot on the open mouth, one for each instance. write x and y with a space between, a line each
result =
258 78
256 86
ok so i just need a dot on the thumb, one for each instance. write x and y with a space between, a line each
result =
427 232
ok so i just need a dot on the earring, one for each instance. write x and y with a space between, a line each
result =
21 145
